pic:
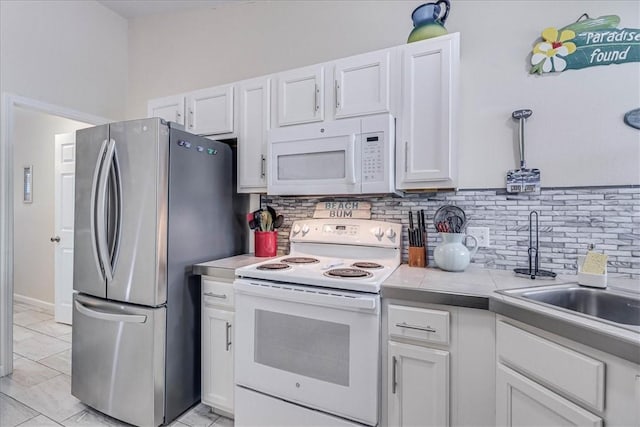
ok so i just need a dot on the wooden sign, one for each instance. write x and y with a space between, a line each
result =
585 43
354 209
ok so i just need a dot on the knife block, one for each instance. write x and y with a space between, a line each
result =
417 256
266 243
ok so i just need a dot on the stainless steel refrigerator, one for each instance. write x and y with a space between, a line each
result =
150 201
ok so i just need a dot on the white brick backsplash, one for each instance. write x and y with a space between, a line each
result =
569 220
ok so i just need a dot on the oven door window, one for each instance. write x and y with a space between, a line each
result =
310 347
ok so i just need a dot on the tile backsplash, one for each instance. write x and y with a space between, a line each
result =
569 220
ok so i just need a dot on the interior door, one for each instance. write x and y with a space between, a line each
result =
65 160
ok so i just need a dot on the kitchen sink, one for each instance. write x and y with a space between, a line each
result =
620 308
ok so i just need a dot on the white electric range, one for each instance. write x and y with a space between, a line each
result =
308 326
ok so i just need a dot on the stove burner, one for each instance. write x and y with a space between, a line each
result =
352 273
365 264
273 266
300 260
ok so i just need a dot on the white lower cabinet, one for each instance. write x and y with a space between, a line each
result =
522 402
217 346
419 379
439 365
543 379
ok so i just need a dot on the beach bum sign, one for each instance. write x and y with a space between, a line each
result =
585 43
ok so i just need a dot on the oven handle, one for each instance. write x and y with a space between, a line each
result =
321 297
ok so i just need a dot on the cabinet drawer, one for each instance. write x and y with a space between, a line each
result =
567 371
217 293
419 324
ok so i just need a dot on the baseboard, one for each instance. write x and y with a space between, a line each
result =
49 307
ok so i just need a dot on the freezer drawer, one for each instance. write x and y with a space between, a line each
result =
118 359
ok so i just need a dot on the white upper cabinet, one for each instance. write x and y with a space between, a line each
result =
254 118
426 143
210 111
361 84
170 108
300 95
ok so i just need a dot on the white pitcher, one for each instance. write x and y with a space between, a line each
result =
451 254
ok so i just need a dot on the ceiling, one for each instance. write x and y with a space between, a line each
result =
130 9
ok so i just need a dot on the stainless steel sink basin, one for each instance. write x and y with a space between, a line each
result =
620 308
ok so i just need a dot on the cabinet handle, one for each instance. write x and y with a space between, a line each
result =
178 115
211 294
337 94
417 328
394 375
406 155
190 118
315 98
262 164
228 335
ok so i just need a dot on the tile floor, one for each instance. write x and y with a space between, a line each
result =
38 392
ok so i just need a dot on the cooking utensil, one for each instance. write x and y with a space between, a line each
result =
277 223
251 221
265 221
449 219
522 180
272 212
534 260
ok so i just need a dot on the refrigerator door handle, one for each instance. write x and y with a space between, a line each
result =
110 317
114 239
94 203
100 211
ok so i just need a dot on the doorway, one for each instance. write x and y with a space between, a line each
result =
28 128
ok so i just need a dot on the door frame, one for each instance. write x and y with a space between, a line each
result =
9 103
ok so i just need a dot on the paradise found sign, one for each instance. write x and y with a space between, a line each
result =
585 43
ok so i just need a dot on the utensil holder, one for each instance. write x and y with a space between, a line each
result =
417 256
266 243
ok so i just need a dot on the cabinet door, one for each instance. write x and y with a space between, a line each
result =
300 96
170 108
210 111
522 402
217 358
425 156
255 104
361 84
418 392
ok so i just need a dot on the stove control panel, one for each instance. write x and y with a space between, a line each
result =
340 229
345 231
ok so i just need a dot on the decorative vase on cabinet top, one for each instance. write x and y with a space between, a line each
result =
451 254
427 21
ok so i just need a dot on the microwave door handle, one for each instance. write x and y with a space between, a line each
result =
352 177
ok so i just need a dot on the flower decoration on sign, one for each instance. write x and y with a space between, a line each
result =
585 43
548 54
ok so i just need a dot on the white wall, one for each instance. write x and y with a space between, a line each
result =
33 252
68 53
576 135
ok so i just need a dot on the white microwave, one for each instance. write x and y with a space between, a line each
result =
347 156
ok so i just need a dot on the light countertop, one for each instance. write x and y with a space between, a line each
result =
475 288
225 268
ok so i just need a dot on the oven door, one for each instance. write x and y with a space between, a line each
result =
312 346
315 159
